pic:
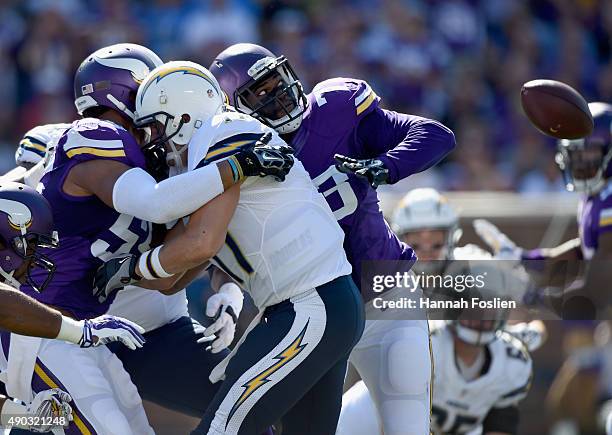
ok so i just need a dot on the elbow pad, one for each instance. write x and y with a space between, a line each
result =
136 193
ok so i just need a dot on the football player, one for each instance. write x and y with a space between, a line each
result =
104 201
281 242
377 146
27 228
482 372
425 220
586 168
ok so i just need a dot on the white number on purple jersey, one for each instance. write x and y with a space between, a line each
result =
344 189
126 234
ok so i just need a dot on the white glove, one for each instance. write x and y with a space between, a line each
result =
102 330
224 307
49 410
503 248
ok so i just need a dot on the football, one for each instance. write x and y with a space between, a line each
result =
556 109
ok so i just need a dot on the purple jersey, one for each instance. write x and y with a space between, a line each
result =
594 219
343 117
90 232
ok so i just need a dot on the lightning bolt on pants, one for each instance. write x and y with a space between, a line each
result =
291 366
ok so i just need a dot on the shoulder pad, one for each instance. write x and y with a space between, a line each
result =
38 142
91 139
223 135
606 192
518 370
531 336
340 103
34 144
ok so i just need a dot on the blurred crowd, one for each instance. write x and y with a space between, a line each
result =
459 61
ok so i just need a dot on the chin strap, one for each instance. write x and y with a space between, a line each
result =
122 107
176 157
9 279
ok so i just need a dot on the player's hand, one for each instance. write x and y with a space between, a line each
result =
51 407
372 170
503 247
113 275
224 307
106 329
263 159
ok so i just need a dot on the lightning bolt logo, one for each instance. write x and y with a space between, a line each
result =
288 354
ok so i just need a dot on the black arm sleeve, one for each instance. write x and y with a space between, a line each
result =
504 420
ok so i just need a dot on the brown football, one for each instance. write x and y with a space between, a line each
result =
556 109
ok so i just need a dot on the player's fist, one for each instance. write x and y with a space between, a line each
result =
372 170
224 307
262 159
50 406
113 275
106 329
502 246
48 410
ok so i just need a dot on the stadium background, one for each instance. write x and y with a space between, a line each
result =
459 61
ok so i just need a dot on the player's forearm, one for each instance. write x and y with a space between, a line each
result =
23 315
426 143
203 237
138 194
569 251
175 283
406 144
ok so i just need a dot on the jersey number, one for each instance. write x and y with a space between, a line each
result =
344 189
441 416
127 235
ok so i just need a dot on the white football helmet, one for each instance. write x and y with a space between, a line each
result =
502 280
179 95
427 209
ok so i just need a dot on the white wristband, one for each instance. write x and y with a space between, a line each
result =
12 409
71 330
157 266
150 266
235 294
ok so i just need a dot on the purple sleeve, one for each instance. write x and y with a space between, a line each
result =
406 144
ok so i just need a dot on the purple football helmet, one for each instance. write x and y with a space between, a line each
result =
26 227
262 85
110 78
585 162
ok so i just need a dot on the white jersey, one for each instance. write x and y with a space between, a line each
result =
283 238
461 406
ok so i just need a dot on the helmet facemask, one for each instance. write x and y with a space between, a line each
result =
477 332
444 247
155 127
26 250
584 167
274 95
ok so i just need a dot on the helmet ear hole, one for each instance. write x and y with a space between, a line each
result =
185 118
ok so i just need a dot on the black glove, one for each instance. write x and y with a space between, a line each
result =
113 275
262 159
155 161
371 169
